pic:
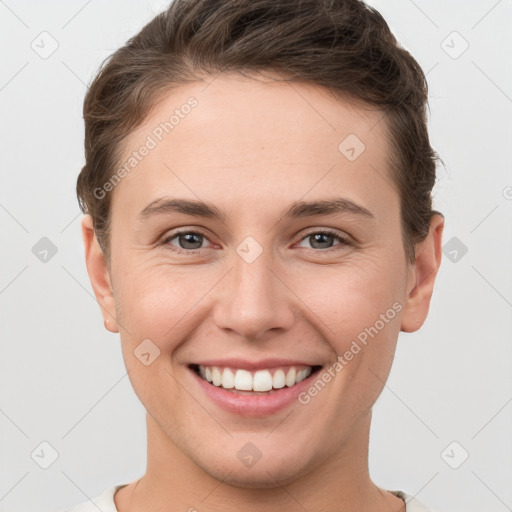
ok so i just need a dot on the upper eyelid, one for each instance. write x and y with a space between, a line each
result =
328 231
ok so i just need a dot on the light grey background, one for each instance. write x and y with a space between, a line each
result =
62 378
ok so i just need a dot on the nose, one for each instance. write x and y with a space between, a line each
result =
255 299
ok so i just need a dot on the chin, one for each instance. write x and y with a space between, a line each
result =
267 473
252 478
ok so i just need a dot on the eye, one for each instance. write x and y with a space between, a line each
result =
187 240
324 239
192 240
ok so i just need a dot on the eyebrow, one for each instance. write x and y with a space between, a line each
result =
297 209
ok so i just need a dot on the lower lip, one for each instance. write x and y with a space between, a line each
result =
252 405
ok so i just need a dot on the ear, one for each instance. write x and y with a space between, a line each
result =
99 274
423 272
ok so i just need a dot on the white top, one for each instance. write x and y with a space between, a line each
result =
105 502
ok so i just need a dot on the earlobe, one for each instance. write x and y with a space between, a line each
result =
422 277
99 275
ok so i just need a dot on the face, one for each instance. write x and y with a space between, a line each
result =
250 245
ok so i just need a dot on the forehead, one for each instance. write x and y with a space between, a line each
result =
246 140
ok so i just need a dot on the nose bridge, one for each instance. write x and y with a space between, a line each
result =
254 299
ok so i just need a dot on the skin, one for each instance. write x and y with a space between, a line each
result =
251 148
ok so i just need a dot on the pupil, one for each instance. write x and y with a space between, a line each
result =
318 238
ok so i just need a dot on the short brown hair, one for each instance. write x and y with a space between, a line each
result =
343 45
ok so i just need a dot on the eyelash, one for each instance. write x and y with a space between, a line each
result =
343 241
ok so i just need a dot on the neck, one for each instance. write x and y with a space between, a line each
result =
173 482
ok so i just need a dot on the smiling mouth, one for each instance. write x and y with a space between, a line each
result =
260 382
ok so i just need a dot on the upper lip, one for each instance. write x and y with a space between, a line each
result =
262 364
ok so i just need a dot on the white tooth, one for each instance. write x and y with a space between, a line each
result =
243 380
290 377
202 372
278 381
208 374
307 372
262 381
302 374
216 376
228 379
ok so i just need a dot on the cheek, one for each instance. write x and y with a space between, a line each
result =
152 308
351 297
161 302
358 308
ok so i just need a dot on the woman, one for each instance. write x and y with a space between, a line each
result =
259 229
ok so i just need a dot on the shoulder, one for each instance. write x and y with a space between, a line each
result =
412 504
104 502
